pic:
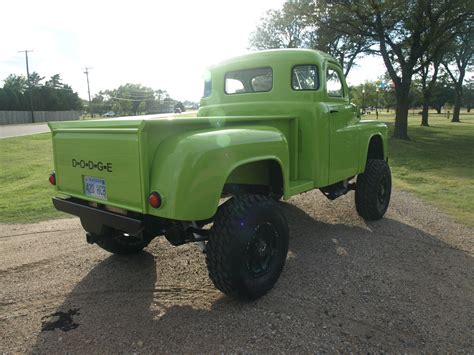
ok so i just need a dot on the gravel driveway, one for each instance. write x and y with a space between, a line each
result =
403 284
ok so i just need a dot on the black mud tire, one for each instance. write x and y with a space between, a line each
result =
276 196
247 246
117 242
373 190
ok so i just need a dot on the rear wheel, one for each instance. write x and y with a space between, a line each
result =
373 190
118 242
247 246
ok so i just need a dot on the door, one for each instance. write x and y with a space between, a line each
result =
343 134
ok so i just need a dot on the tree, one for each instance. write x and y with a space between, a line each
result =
134 99
35 79
285 28
304 24
70 98
404 31
102 103
365 95
468 93
179 106
457 63
54 81
442 93
17 83
11 100
346 45
127 99
428 76
53 96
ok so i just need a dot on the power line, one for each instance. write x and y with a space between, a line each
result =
29 83
123 99
89 90
128 96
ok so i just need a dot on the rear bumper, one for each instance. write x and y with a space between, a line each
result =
93 219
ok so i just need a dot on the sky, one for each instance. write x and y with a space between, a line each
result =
160 44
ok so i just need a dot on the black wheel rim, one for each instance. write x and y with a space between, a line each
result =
261 249
384 190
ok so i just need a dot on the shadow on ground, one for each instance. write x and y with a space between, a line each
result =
386 286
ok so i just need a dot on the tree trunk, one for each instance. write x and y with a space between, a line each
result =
401 118
424 114
438 109
457 108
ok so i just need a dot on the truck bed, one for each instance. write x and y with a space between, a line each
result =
115 156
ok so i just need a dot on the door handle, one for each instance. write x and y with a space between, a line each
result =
333 111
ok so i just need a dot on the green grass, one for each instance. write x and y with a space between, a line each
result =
436 164
25 193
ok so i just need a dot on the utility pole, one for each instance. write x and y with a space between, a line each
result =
377 107
29 84
89 90
363 99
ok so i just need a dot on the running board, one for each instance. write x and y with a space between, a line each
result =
338 189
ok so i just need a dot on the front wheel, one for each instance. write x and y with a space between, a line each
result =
373 190
247 246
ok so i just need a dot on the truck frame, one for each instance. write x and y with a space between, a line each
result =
271 125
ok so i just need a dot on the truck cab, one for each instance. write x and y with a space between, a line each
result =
309 87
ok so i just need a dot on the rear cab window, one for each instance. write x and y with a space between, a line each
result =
248 80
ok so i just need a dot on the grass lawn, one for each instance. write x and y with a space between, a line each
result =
25 164
437 164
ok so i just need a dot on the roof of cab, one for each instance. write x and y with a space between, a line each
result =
293 55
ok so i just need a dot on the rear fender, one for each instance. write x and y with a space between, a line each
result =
189 170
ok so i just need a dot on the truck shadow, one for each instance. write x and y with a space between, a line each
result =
386 286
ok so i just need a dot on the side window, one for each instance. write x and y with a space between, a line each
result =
207 88
334 84
207 84
305 77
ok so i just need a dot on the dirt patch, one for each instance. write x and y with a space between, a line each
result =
402 284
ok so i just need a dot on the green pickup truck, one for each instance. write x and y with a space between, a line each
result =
271 125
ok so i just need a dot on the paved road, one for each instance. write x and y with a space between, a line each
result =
404 284
7 131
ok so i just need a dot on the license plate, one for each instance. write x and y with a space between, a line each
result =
95 187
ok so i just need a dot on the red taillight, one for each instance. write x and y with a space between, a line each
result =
154 199
52 179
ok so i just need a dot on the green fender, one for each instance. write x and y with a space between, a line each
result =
368 130
190 169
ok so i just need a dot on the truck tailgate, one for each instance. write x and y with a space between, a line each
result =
100 165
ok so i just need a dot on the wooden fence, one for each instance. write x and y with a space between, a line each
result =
19 117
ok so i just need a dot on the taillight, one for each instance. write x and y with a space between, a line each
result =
155 200
52 178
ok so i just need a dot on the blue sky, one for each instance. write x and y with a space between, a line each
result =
160 44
